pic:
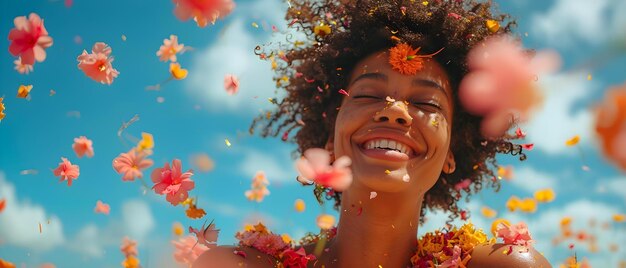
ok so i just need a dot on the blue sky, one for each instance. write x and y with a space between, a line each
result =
197 115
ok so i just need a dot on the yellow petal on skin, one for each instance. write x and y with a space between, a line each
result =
494 225
299 205
573 141
23 91
325 221
177 72
493 25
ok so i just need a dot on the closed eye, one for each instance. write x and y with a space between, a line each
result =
431 104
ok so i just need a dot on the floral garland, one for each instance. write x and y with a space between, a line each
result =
440 249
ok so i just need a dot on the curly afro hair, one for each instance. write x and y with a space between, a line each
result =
339 34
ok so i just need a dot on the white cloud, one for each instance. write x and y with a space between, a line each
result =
557 120
19 222
276 170
615 186
137 222
232 53
571 20
532 180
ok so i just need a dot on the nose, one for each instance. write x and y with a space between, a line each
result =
396 112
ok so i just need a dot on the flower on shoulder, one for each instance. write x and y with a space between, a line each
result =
296 258
516 234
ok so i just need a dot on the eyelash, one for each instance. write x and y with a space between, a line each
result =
432 104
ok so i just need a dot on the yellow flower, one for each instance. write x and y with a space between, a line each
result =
325 221
544 195
488 212
177 229
23 91
1 109
619 217
573 141
146 143
528 205
321 30
492 25
299 205
131 262
286 238
177 72
496 223
513 203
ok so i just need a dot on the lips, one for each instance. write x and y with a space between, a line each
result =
402 149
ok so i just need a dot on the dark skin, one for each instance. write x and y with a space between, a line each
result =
415 111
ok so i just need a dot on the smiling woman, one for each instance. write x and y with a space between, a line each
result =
361 89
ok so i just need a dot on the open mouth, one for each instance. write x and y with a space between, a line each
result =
387 149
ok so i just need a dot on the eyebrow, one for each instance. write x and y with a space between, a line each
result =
421 82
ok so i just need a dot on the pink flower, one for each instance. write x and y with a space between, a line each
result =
67 171
22 68
454 261
271 244
315 166
29 39
97 65
129 247
187 250
499 84
296 258
516 234
83 146
170 47
206 236
172 182
130 164
464 184
102 208
202 11
231 84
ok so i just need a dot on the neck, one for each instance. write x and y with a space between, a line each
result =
372 232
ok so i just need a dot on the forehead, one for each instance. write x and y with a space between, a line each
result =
379 63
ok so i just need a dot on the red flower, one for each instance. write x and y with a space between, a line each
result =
296 258
29 39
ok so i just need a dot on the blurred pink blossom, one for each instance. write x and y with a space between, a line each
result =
314 166
169 49
29 39
67 171
83 146
187 250
129 247
172 182
516 234
206 235
231 84
202 11
103 208
97 65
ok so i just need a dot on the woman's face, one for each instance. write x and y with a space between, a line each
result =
395 127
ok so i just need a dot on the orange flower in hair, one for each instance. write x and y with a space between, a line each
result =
404 59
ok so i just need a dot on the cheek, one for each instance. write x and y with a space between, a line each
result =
435 129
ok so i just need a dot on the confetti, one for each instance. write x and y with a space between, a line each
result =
227 142
373 195
255 25
325 221
492 25
299 205
125 125
23 91
387 171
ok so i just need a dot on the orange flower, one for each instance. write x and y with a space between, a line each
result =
23 91
299 205
177 72
195 213
2 114
528 205
573 141
513 203
404 59
544 195
610 127
177 229
488 212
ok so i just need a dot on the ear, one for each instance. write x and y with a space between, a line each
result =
450 165
330 147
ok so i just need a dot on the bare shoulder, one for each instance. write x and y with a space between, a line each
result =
225 256
495 256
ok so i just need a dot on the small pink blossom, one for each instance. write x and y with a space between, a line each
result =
231 84
22 68
454 261
202 11
29 39
206 235
187 250
129 247
271 244
83 146
314 166
516 234
296 258
464 184
103 208
169 49
131 164
97 65
67 171
172 182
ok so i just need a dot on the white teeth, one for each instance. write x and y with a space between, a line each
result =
388 144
